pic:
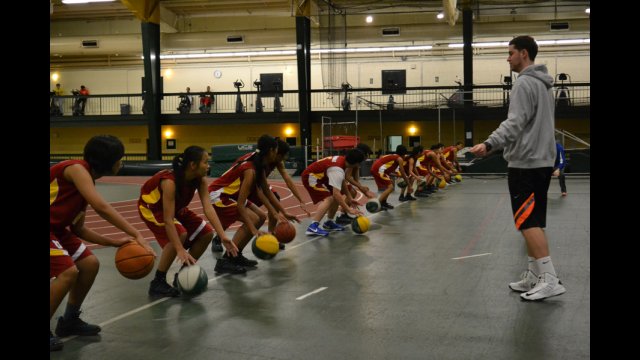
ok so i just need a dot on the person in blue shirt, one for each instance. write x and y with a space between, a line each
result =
558 168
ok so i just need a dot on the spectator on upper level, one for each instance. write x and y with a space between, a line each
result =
84 93
206 100
186 100
59 91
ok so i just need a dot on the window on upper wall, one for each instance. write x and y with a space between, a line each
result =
270 84
394 81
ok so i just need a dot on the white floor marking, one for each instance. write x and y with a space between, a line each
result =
470 256
311 293
159 301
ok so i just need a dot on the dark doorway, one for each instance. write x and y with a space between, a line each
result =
414 141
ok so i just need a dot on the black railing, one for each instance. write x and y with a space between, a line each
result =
579 94
127 157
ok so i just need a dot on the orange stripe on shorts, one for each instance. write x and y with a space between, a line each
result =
524 211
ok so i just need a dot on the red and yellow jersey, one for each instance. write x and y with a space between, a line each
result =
65 201
387 164
425 161
150 201
450 152
406 164
267 169
224 191
319 168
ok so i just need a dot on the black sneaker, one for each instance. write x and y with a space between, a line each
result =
386 206
216 244
421 194
242 261
224 265
402 198
161 288
55 343
410 198
75 327
344 219
281 246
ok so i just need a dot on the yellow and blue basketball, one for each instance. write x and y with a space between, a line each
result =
360 225
441 183
192 280
265 247
458 177
373 205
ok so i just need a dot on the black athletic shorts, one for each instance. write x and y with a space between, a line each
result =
528 189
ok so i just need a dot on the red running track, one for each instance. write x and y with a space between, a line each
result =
128 208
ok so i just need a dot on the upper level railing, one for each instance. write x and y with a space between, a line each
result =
578 94
133 157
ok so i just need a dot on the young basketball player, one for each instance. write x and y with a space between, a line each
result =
72 266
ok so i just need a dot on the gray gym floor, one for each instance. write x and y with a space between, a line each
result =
410 288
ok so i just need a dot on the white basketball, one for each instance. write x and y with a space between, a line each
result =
192 280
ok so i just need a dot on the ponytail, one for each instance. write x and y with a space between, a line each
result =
179 164
265 144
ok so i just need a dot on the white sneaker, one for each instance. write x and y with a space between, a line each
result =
527 281
547 286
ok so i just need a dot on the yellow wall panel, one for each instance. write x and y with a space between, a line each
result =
72 140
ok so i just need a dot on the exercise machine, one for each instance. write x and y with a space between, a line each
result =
239 84
258 85
277 106
346 102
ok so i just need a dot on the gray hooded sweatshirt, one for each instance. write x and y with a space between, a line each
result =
527 135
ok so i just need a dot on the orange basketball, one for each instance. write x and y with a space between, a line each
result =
133 261
285 232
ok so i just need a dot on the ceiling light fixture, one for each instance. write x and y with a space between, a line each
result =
84 1
440 15
539 42
492 44
369 19
588 10
293 52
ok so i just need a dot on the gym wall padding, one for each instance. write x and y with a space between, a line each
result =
136 168
143 168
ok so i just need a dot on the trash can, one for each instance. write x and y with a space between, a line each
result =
125 109
365 167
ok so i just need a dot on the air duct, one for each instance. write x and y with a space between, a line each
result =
559 26
89 43
109 44
394 31
235 39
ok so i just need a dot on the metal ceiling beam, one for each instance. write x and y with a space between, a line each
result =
168 20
